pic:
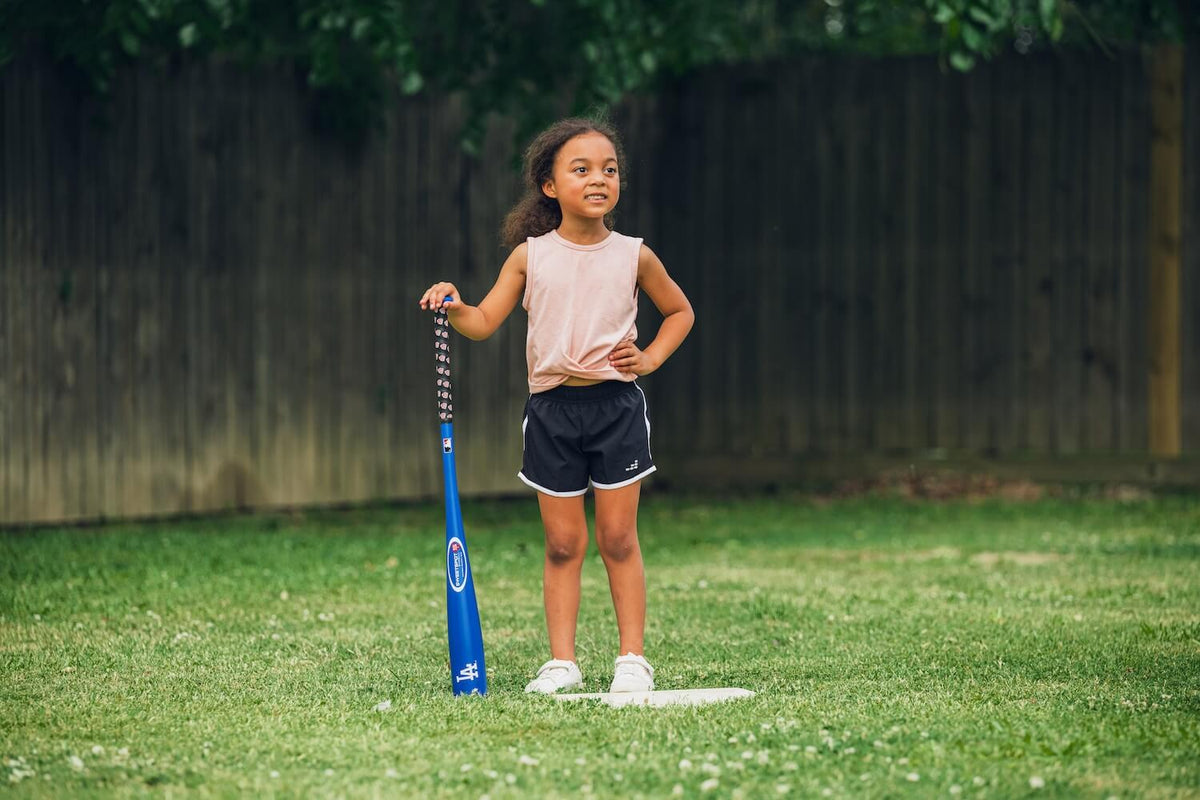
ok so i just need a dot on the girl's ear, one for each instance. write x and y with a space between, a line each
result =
549 190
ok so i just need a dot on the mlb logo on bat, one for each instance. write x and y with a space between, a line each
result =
468 673
456 564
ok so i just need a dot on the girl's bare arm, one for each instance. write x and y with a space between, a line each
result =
677 313
481 321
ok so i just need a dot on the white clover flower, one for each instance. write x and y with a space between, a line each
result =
274 773
956 789
677 790
685 764
97 750
386 705
391 772
709 785
528 761
978 781
76 763
763 757
580 761
747 755
328 773
810 749
466 768
1036 782
913 776
782 788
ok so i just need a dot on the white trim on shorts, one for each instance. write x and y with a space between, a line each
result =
550 492
645 416
634 479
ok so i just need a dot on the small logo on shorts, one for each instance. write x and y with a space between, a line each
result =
632 467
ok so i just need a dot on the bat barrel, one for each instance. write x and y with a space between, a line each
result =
468 672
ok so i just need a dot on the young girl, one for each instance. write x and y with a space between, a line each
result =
586 419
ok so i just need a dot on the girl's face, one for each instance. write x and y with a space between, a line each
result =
585 180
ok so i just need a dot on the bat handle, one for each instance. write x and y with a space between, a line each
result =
441 344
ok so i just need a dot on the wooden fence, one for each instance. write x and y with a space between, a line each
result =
204 305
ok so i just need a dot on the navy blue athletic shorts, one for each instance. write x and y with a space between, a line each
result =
576 434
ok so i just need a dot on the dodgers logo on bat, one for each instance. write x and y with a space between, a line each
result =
456 564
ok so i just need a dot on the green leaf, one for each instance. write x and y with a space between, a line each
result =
413 82
981 16
188 35
130 43
973 38
1048 11
944 14
1056 29
962 61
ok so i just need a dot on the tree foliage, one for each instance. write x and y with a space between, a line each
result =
530 58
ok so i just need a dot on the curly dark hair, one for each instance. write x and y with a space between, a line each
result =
535 213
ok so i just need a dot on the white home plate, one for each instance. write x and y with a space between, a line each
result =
670 697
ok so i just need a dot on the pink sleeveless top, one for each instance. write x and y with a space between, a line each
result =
582 302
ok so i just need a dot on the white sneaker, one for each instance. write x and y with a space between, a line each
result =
633 674
556 675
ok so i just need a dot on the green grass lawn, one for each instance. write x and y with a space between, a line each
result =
1046 649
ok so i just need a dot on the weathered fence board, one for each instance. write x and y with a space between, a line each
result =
205 305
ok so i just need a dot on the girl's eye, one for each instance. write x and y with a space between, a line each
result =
581 169
611 170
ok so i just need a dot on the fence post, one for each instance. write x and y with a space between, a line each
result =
1165 237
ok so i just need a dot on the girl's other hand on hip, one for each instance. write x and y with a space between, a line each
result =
626 357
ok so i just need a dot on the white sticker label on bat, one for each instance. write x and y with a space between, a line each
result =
447 445
456 564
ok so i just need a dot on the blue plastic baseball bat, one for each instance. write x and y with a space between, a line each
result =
468 674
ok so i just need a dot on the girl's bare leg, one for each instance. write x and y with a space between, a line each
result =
566 544
616 536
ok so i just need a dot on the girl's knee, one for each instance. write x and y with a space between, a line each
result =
564 547
617 544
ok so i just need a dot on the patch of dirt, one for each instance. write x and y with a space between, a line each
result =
1023 559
